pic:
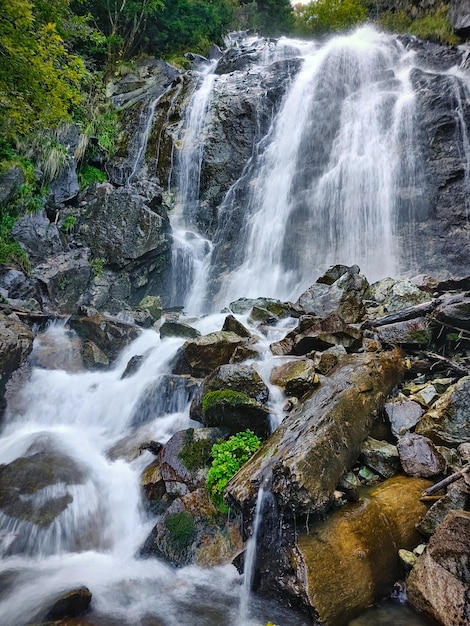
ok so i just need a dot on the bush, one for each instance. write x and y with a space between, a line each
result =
326 16
89 175
434 26
228 457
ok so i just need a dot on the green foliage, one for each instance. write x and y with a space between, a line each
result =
228 457
181 529
68 224
10 251
197 454
325 16
272 17
97 266
88 175
435 26
224 396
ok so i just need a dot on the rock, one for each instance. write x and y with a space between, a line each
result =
275 307
166 394
109 334
439 582
185 459
15 285
340 291
455 311
464 452
16 343
153 305
340 566
54 352
170 328
318 334
235 411
326 360
457 498
200 356
38 236
295 377
153 487
65 187
403 415
259 315
133 365
233 325
193 531
68 604
93 357
448 421
395 295
419 456
415 332
331 424
426 395
459 16
380 456
64 278
10 184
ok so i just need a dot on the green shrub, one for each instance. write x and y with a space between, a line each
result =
97 266
434 26
181 529
228 457
89 175
68 224
326 16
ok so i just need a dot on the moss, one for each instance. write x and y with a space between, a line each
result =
181 529
227 397
197 454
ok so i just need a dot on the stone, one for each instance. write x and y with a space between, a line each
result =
53 351
295 377
419 457
340 291
153 487
439 583
68 604
396 295
426 395
65 187
415 332
459 16
171 328
235 411
403 415
455 311
38 236
153 305
93 357
380 456
331 424
457 497
343 564
448 421
16 343
233 325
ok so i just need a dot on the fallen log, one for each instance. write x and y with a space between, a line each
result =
446 481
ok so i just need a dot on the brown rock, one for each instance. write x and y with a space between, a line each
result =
419 457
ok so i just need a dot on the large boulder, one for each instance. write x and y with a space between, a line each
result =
439 583
331 424
341 565
448 421
38 236
340 290
459 16
235 411
419 456
16 343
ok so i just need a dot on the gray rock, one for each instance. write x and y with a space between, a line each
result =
403 415
456 498
38 236
16 343
395 295
295 377
10 183
419 456
171 328
459 16
415 332
380 456
65 605
233 325
65 187
235 411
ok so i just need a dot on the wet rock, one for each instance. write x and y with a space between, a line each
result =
200 356
68 604
16 343
169 393
109 334
340 566
38 236
403 415
448 421
318 334
133 366
153 487
275 307
171 328
153 305
339 291
415 332
326 360
93 357
419 456
185 459
193 531
295 377
259 315
53 351
455 311
235 411
380 456
331 424
64 278
394 295
65 186
439 582
233 325
457 497
15 285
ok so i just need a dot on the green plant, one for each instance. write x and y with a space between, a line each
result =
97 266
68 224
89 175
181 529
228 457
434 26
325 16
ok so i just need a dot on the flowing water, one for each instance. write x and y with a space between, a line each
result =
317 197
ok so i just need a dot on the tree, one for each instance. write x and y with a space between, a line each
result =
273 17
323 16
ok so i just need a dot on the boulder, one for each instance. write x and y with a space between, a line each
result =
109 334
439 583
295 377
199 357
235 411
403 415
153 305
343 564
16 343
15 285
380 456
67 604
171 328
340 291
38 236
314 333
65 186
419 457
64 279
233 325
457 497
54 352
193 531
455 311
331 424
459 16
415 332
395 295
448 421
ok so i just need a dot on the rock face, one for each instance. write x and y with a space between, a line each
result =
439 583
357 543
331 424
460 17
16 342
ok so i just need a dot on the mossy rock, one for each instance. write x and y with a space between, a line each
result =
236 411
